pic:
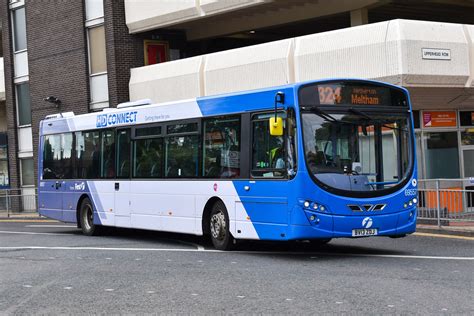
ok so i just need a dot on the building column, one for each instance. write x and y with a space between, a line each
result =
359 17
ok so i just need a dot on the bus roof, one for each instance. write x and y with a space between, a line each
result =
236 102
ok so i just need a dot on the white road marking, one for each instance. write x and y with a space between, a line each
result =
27 285
29 233
54 226
194 294
150 292
109 290
67 287
240 252
241 296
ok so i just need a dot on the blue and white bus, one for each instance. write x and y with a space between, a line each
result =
307 161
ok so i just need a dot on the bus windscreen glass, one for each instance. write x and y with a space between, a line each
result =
352 145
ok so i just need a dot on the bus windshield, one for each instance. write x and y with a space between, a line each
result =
350 148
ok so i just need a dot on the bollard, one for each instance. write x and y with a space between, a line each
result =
438 203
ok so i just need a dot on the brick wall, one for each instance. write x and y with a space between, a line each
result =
9 94
124 51
57 59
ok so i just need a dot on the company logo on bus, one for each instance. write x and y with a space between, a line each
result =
104 120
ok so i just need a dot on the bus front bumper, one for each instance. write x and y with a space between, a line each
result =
334 226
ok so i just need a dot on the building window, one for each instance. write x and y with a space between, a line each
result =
466 118
94 9
27 171
4 178
23 104
19 29
97 55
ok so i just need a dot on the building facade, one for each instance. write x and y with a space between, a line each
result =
86 55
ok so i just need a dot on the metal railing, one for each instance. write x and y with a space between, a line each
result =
440 201
445 201
18 201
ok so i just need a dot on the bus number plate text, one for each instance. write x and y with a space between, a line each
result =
364 232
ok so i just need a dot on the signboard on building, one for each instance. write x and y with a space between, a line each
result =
439 119
436 53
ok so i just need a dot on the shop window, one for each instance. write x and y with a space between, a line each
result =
441 155
23 104
466 118
416 119
221 152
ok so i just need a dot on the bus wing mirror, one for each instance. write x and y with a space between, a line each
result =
276 126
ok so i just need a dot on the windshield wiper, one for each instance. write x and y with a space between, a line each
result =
321 113
360 113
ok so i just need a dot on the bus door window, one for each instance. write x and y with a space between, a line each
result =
221 151
291 143
57 156
268 152
123 154
107 156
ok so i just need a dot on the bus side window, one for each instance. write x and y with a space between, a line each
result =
87 155
221 150
147 158
123 154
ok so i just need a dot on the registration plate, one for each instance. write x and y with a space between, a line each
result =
364 232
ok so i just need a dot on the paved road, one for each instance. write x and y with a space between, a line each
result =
50 268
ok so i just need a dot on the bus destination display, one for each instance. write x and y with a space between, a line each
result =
334 94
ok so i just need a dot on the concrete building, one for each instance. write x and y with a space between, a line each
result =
87 55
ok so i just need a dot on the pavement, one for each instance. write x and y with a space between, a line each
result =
456 228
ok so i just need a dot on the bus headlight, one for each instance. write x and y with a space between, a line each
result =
306 204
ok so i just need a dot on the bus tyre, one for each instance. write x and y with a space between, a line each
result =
86 217
219 227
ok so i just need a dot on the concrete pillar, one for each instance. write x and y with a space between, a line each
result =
359 17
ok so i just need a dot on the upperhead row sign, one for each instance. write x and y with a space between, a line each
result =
436 53
111 119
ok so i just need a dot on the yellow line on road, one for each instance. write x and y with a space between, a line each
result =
27 221
443 236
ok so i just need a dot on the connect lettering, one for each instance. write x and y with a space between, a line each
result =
104 120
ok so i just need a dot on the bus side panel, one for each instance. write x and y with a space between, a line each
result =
102 195
266 203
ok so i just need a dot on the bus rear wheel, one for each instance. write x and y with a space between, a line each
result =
219 227
86 217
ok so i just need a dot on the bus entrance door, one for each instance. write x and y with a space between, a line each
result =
122 203
50 202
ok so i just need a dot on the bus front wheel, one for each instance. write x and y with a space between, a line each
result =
219 227
86 216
